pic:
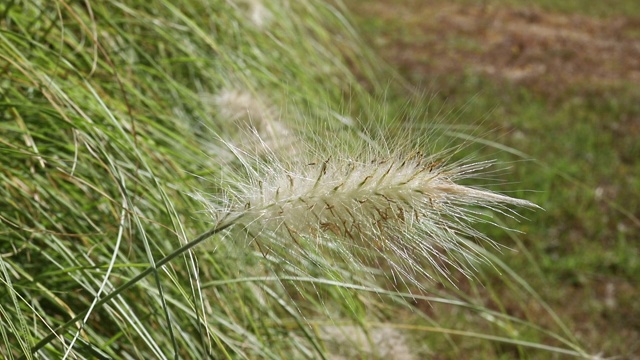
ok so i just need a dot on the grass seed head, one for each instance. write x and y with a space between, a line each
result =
256 13
400 212
255 125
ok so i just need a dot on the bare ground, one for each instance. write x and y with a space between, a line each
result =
548 52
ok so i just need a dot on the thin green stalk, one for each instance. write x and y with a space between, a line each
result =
162 262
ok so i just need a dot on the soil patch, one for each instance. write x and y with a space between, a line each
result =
546 51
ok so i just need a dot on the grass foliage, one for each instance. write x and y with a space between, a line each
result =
115 113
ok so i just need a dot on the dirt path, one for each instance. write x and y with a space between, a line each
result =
546 51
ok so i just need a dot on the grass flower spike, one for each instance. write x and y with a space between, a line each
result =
401 210
252 123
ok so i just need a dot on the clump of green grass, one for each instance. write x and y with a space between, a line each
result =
106 130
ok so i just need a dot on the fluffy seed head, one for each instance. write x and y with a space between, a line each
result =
360 199
243 107
254 125
399 212
256 12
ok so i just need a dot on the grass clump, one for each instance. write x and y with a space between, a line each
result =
114 112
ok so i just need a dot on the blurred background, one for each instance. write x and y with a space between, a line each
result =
558 83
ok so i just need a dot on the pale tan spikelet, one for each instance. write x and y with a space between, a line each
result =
250 122
406 211
259 15
349 342
243 107
358 199
256 13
